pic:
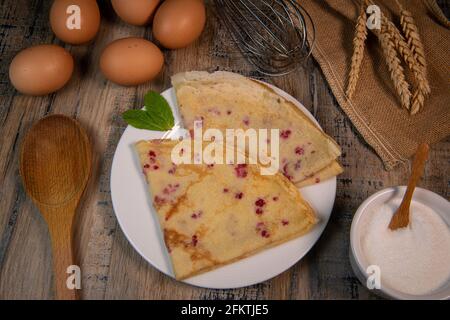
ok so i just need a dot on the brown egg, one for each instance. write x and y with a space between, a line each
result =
131 61
136 12
178 23
75 21
41 70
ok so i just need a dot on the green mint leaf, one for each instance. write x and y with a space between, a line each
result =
159 109
156 115
142 120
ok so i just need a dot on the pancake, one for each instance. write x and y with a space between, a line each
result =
212 215
224 100
326 173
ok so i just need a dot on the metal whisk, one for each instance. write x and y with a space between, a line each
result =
272 34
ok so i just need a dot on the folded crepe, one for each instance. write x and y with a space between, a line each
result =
326 173
212 215
224 100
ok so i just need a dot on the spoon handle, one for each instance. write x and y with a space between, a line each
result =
417 170
59 220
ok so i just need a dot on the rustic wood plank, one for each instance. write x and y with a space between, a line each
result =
111 267
21 229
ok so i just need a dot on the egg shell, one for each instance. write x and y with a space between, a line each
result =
136 12
41 69
89 14
178 23
131 61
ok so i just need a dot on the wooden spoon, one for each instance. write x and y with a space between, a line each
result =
401 216
55 164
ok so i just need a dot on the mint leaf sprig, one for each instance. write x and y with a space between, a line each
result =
156 114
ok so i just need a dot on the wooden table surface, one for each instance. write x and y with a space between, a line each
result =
111 268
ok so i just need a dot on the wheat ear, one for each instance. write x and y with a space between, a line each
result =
437 12
395 67
358 52
416 63
419 72
412 35
405 51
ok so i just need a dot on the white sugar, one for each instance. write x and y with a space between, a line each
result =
413 260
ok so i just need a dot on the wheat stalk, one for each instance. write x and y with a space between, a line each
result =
396 70
418 64
437 12
422 88
411 33
395 67
358 52
411 51
422 85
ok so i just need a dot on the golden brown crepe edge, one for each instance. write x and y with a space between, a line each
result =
249 254
332 170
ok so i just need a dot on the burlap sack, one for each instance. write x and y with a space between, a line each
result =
375 109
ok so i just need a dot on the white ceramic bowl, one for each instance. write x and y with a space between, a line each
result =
357 259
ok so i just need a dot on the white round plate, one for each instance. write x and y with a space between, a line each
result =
138 220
